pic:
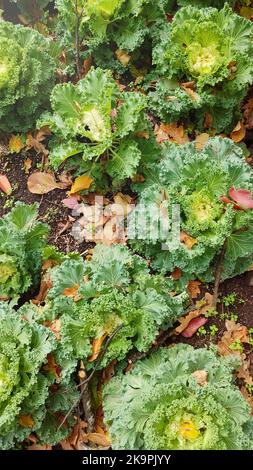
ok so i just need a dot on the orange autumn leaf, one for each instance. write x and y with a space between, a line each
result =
123 57
27 165
193 289
235 332
5 185
55 327
99 439
52 367
171 133
26 421
177 274
188 240
42 183
96 347
184 321
238 133
80 183
71 291
201 141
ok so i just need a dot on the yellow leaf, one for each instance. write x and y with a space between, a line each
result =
187 240
123 57
16 143
247 12
188 430
81 183
96 347
26 421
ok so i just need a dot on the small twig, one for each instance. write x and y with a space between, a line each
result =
218 272
85 382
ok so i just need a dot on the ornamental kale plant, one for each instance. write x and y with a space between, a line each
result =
109 26
22 239
104 126
213 188
113 290
26 76
180 399
35 380
203 67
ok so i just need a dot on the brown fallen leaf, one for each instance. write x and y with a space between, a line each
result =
52 367
96 347
188 240
26 421
244 373
208 120
248 114
43 183
99 439
238 133
248 397
27 165
5 185
201 141
34 140
234 332
45 285
205 305
55 327
80 183
176 274
171 133
201 377
193 289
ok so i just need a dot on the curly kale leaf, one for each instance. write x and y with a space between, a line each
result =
22 239
197 182
114 289
26 76
202 66
160 404
93 119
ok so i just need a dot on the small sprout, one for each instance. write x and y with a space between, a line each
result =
211 313
223 316
233 317
250 331
201 331
242 301
236 346
251 341
229 299
213 330
249 388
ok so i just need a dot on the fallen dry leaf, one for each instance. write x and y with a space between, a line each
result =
72 292
193 289
171 133
34 141
16 143
26 421
202 307
238 133
80 183
188 240
248 114
208 120
55 327
244 373
5 185
235 332
247 12
176 274
43 183
45 285
96 347
27 165
99 439
52 367
200 376
201 141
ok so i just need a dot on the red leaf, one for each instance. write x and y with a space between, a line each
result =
243 197
5 185
193 326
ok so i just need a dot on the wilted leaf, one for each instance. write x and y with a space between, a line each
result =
248 114
123 57
34 141
96 347
70 202
52 367
188 240
99 439
193 289
16 143
235 333
26 421
208 120
238 133
45 285
81 183
27 165
171 133
202 307
201 377
247 12
42 183
177 274
55 327
201 141
5 185
71 292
